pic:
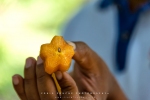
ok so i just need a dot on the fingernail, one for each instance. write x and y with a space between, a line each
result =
58 75
15 80
72 44
28 62
39 60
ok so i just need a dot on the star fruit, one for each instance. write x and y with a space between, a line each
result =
57 55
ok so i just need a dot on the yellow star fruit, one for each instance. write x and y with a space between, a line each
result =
57 55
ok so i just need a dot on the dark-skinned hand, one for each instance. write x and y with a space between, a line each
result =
91 79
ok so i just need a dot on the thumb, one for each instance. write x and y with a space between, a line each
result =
86 58
68 86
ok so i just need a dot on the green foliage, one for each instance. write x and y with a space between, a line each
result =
57 12
44 15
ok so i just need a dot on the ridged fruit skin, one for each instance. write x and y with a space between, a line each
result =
57 55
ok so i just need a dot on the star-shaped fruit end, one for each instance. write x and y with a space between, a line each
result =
57 55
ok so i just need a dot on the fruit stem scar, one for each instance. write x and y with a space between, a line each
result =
59 49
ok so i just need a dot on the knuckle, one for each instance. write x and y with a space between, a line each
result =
83 48
83 45
41 78
29 81
68 86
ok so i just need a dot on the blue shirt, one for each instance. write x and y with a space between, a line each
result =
98 29
126 22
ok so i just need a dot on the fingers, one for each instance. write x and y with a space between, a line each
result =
18 85
30 79
68 86
86 57
45 82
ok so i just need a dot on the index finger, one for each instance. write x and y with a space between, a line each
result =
46 86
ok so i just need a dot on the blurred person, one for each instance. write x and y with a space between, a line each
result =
118 32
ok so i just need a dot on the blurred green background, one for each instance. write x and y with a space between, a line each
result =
24 26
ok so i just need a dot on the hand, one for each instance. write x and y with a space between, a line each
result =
91 74
37 83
